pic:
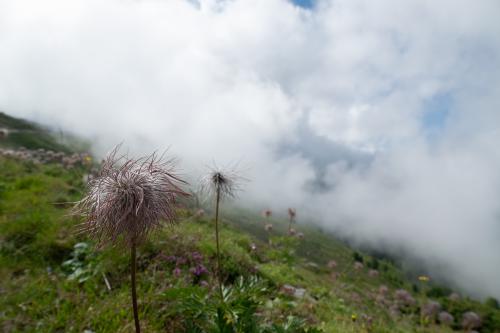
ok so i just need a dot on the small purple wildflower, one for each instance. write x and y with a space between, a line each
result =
196 256
171 259
181 261
177 272
198 270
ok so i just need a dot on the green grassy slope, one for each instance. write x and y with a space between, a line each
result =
55 281
23 133
15 123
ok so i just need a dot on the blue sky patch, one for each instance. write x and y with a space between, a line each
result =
436 113
304 3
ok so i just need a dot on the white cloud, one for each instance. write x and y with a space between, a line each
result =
240 80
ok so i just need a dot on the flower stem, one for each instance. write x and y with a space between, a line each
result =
219 277
134 293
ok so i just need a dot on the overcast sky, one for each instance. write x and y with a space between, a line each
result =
379 119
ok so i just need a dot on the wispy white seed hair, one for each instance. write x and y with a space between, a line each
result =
220 185
130 198
226 182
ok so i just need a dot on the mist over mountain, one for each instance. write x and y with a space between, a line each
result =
377 120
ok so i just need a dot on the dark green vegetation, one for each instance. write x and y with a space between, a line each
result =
22 133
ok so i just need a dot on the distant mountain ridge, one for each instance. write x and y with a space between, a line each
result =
16 133
9 122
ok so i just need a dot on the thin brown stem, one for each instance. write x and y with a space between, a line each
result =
134 293
219 277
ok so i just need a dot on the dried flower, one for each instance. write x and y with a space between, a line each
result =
267 213
445 318
332 264
383 290
268 227
358 265
127 200
368 321
199 213
220 185
355 297
224 184
130 198
291 215
380 299
431 309
471 320
404 298
288 289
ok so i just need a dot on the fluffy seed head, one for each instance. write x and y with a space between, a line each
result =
332 264
267 213
431 309
130 198
445 318
292 213
226 183
358 265
383 290
471 320
404 298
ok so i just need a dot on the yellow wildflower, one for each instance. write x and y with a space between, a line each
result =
424 278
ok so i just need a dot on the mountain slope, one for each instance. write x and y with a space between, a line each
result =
16 133
55 280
